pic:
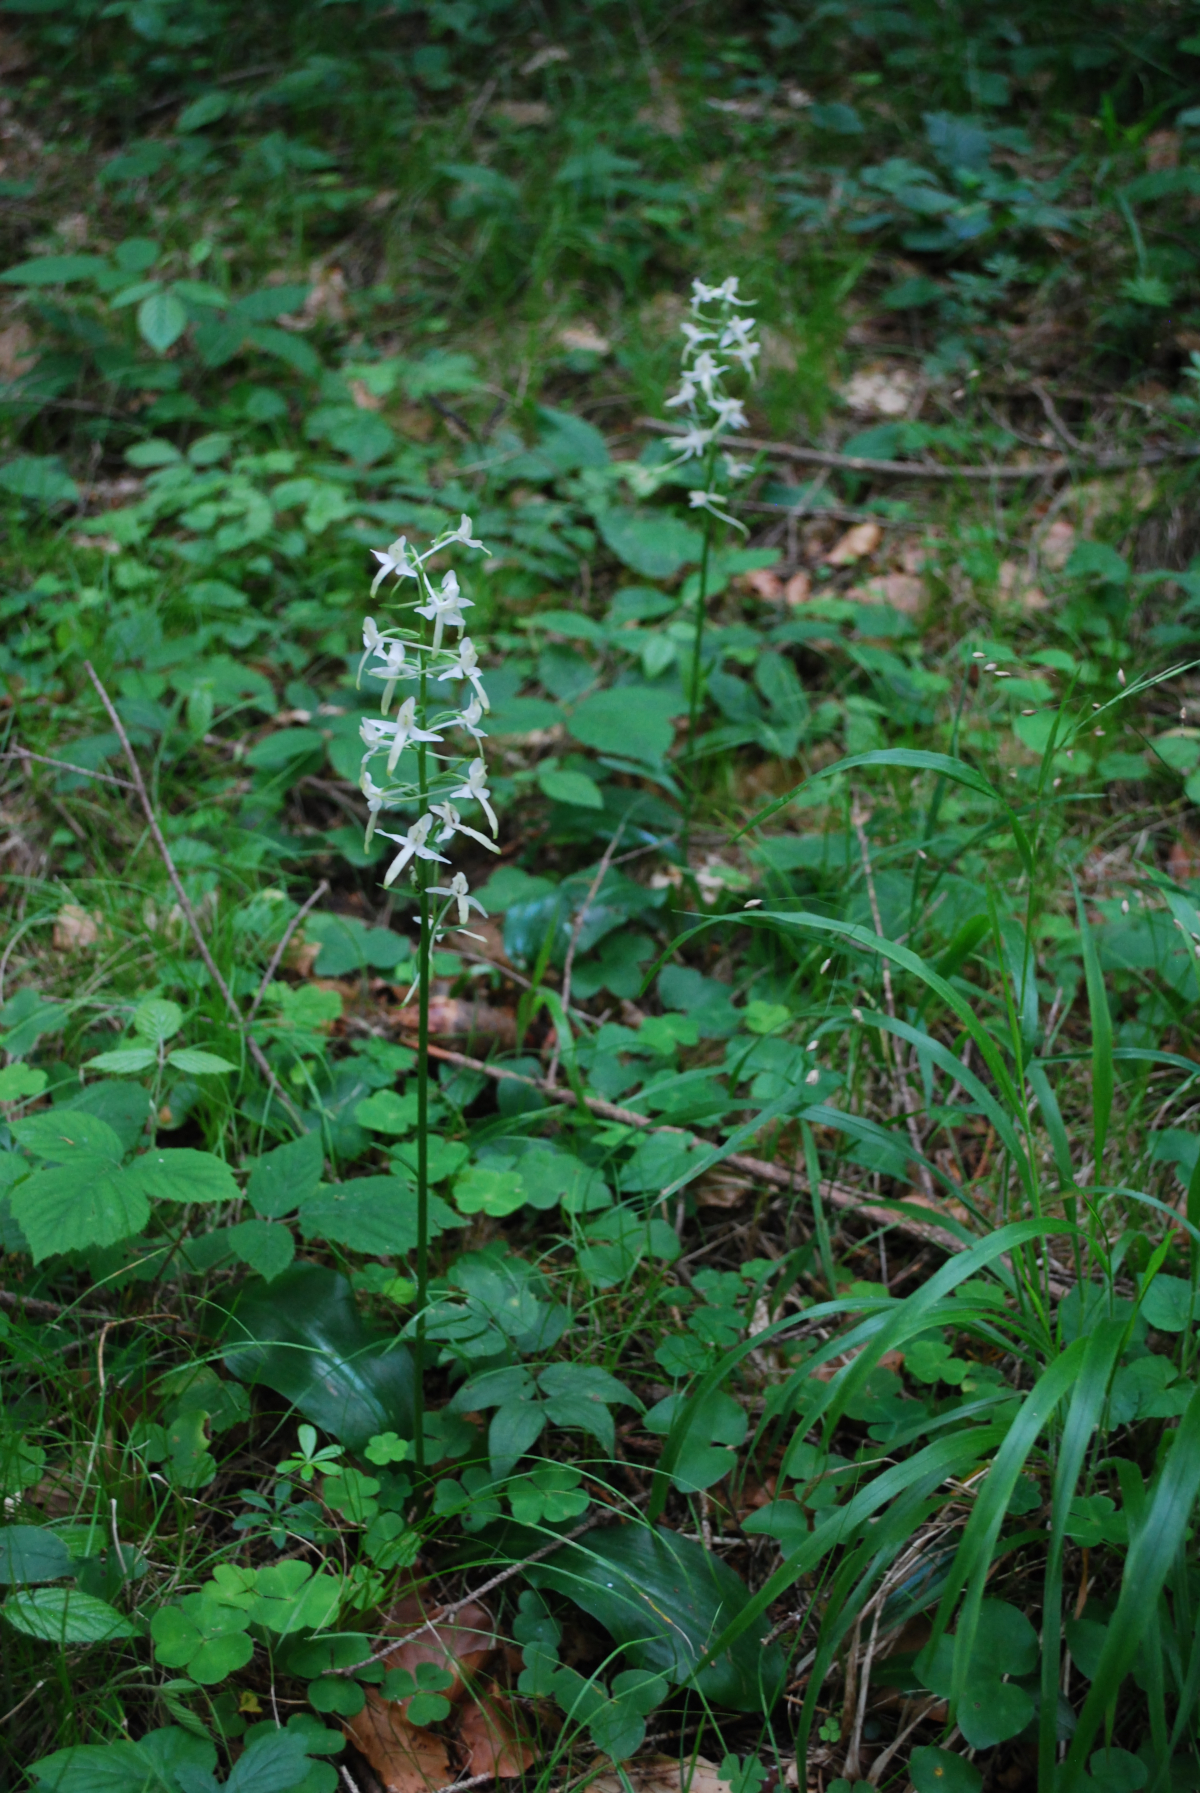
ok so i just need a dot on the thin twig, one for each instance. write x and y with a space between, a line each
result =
445 1613
839 1195
13 1710
853 463
269 973
26 753
576 931
193 920
881 1761
1052 417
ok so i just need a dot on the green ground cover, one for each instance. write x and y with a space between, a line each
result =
747 1378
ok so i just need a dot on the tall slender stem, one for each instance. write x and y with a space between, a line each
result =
424 966
689 794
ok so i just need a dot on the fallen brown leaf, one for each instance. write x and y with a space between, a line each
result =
862 539
522 113
883 391
407 1760
665 1774
13 54
462 1647
454 1018
74 929
489 1731
1057 543
902 591
713 1190
585 337
16 342
363 397
797 589
764 583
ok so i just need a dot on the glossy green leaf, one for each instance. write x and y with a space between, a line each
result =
937 1771
30 1553
65 1616
149 1766
302 1335
663 1598
53 270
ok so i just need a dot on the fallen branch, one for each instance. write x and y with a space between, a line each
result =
853 463
273 967
838 1195
25 753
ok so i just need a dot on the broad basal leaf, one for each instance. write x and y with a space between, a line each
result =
665 1599
65 1616
68 1207
148 1766
303 1336
31 1553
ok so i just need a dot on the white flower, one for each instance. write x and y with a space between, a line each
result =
476 788
446 606
454 824
393 560
737 469
745 356
704 372
463 534
470 718
695 335
374 795
399 733
730 414
686 394
467 667
709 501
392 669
459 892
375 640
727 292
736 333
412 846
693 442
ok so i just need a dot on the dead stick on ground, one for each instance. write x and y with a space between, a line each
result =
25 753
193 920
838 1195
269 973
853 463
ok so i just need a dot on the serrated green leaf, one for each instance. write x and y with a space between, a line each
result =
125 1061
66 1134
31 1553
157 1020
53 270
182 1174
281 1180
69 1207
197 1063
161 321
266 1245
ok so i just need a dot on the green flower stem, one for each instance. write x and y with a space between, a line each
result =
689 793
424 966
